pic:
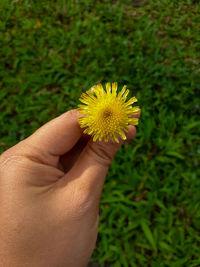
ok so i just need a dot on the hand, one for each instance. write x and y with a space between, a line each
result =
50 186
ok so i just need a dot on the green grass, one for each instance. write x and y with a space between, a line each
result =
51 51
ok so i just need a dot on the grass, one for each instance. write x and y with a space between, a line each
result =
51 51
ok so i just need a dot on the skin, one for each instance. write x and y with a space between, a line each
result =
50 186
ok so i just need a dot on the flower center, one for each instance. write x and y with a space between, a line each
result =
107 113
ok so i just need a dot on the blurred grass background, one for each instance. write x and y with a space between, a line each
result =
51 51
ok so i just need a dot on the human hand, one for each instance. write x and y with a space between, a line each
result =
50 186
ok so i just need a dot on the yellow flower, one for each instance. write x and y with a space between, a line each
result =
106 114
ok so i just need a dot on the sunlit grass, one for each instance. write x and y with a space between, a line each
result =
51 51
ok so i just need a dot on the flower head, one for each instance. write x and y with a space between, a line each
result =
106 112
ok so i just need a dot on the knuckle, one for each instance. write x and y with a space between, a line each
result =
101 153
83 204
10 160
6 156
82 200
86 207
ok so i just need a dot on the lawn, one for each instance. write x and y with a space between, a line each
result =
51 51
